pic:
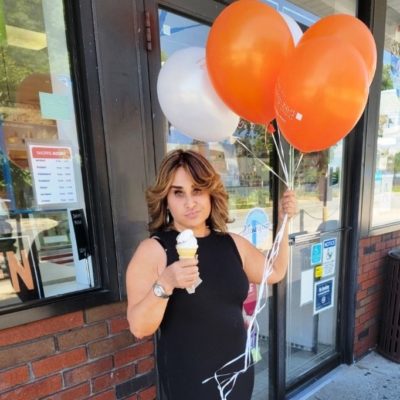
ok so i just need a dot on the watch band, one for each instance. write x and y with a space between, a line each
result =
159 291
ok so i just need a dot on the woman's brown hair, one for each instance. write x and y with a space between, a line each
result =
203 175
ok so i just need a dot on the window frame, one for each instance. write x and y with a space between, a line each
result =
370 145
81 42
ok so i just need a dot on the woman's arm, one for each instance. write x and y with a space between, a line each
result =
147 266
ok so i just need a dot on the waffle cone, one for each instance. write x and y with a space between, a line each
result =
186 252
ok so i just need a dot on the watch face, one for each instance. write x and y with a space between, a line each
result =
159 291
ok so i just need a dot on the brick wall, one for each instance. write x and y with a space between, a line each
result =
371 276
89 354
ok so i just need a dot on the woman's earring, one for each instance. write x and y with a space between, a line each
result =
168 217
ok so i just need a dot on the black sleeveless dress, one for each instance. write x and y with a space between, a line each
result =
203 331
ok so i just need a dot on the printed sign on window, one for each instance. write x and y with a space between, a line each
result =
323 295
316 254
329 256
53 174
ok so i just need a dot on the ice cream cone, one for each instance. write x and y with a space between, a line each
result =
186 252
187 248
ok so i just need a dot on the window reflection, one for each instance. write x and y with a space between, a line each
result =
43 238
386 207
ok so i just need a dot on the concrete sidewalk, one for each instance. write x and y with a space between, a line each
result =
372 378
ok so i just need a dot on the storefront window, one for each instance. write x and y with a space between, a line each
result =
43 237
386 207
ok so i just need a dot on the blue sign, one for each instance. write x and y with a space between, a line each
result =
256 226
323 295
316 254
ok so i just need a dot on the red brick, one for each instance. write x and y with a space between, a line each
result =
87 371
362 277
364 317
110 345
133 353
391 243
75 393
105 312
145 365
59 362
381 246
81 336
371 322
40 328
109 395
373 306
113 378
148 394
365 242
13 377
358 328
378 255
373 265
369 282
376 239
134 397
363 259
360 311
10 357
375 273
119 324
361 294
363 302
36 390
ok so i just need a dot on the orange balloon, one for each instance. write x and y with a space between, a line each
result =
320 93
351 30
246 48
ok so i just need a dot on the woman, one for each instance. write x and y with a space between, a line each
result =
197 333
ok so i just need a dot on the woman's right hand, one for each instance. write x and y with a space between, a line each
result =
181 274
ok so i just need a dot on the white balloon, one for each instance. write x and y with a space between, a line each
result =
294 28
188 99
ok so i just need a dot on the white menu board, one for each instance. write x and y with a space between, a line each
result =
53 174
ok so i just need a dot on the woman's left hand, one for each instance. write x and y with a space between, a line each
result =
288 204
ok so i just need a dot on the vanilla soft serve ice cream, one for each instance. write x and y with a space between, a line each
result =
186 243
186 246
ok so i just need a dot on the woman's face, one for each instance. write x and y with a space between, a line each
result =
189 205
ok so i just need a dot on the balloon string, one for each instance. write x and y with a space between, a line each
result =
295 170
261 161
226 380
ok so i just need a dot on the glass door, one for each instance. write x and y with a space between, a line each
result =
312 283
314 271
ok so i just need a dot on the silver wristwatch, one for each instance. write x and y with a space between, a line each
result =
159 291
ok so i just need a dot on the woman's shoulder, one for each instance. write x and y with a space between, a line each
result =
149 247
238 239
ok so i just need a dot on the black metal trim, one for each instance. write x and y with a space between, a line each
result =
82 40
53 307
277 309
